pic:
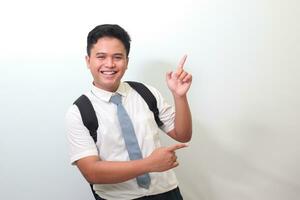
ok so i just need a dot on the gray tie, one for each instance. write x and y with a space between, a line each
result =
130 139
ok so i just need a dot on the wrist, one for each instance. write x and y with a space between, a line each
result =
146 165
179 97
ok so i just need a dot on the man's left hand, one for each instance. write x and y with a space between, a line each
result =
180 81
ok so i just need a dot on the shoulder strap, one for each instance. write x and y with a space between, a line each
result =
149 98
90 121
88 115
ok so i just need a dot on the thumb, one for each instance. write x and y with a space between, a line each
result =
168 75
175 75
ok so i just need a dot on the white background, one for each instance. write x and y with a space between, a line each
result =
244 57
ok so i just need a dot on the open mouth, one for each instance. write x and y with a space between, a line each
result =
108 72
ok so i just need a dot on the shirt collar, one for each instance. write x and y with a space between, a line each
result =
106 95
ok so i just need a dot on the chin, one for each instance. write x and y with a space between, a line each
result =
112 86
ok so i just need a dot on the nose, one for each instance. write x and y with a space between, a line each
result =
110 62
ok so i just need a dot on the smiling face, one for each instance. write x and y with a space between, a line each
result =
107 62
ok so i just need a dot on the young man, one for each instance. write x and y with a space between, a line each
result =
107 164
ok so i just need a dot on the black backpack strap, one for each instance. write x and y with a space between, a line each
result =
90 121
149 99
88 115
97 197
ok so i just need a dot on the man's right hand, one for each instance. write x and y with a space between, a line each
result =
97 171
164 158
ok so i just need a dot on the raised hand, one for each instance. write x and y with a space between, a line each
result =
180 81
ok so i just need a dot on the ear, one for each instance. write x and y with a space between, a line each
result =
87 61
127 62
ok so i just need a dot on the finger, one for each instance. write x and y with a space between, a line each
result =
179 71
174 158
188 78
182 61
171 75
175 164
182 75
174 147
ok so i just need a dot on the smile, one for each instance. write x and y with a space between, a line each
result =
108 72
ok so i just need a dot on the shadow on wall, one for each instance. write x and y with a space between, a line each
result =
154 73
210 170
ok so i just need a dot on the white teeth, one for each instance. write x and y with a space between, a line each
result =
108 72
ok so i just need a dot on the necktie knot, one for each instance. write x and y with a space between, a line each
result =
116 99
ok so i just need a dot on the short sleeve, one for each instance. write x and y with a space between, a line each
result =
166 111
79 140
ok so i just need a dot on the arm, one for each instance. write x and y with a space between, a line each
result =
108 172
179 83
84 154
97 171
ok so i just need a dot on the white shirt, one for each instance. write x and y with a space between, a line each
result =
110 145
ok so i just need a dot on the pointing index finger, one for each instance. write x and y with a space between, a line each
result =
177 146
182 61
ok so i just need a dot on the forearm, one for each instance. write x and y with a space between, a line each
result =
183 119
109 172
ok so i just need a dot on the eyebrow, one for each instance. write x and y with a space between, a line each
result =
115 54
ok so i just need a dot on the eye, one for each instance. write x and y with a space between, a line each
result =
117 57
101 57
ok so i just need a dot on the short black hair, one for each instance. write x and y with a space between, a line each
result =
108 30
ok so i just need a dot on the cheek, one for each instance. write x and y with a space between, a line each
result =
125 66
94 65
93 68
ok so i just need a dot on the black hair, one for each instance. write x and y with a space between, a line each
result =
108 30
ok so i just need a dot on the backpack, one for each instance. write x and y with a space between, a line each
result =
90 120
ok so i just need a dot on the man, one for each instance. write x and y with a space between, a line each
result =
106 164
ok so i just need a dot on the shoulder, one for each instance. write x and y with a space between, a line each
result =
73 114
152 89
